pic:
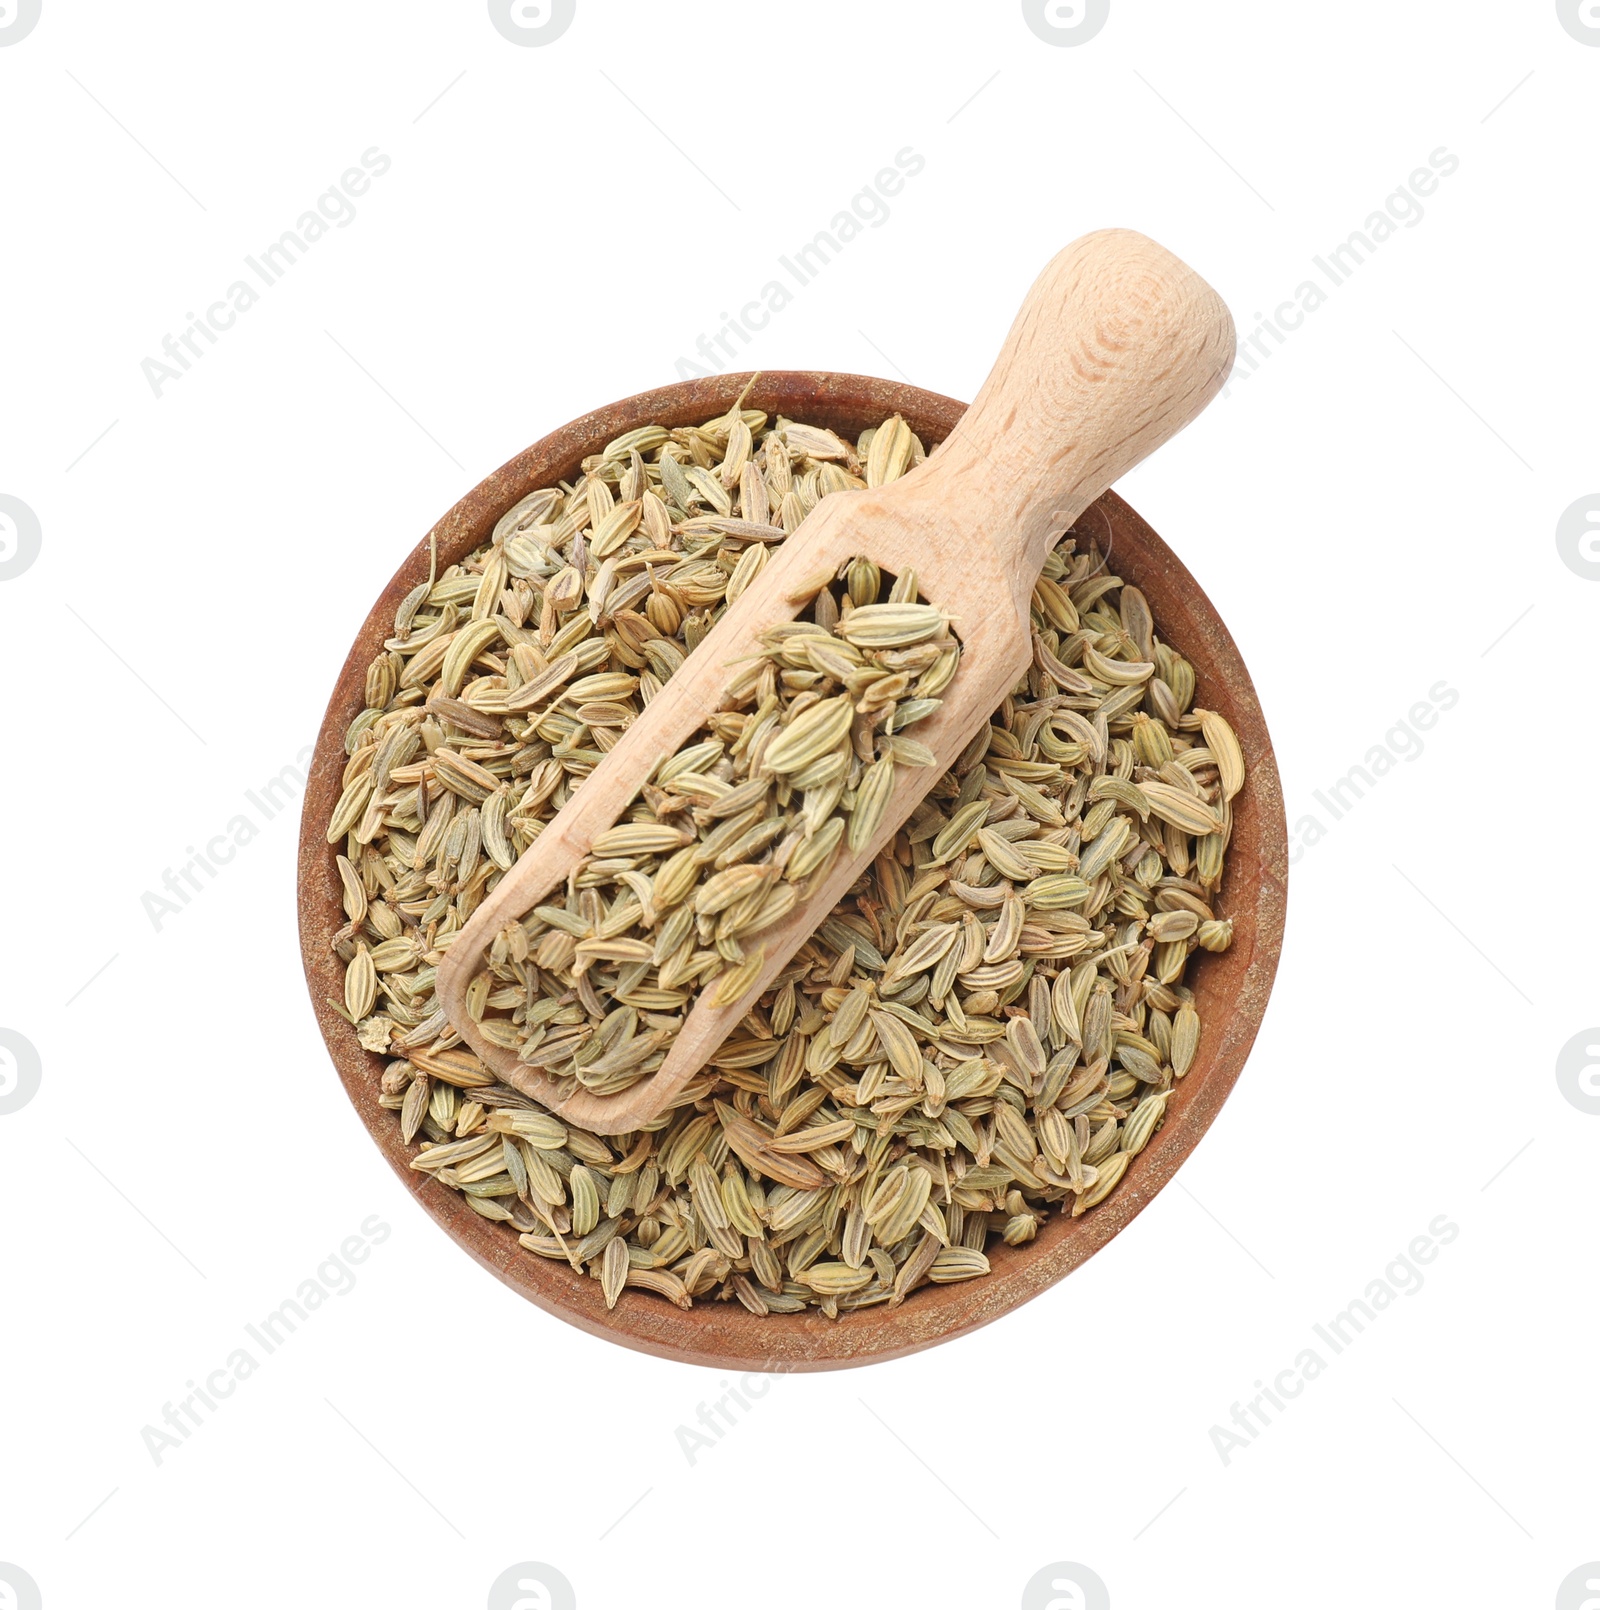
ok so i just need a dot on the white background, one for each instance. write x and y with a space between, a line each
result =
1373 512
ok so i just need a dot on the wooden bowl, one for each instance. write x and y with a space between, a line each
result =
1231 989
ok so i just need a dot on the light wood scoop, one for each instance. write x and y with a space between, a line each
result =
1117 347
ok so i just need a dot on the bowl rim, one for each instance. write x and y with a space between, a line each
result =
725 1335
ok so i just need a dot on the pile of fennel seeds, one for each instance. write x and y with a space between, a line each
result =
986 1029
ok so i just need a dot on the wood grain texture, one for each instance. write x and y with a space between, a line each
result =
1231 989
1118 345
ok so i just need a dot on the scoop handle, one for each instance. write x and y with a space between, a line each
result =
1117 347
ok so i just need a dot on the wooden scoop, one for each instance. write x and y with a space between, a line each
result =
1117 347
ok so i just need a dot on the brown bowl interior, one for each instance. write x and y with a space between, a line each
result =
1231 989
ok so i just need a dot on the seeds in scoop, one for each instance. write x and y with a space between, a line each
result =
727 838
